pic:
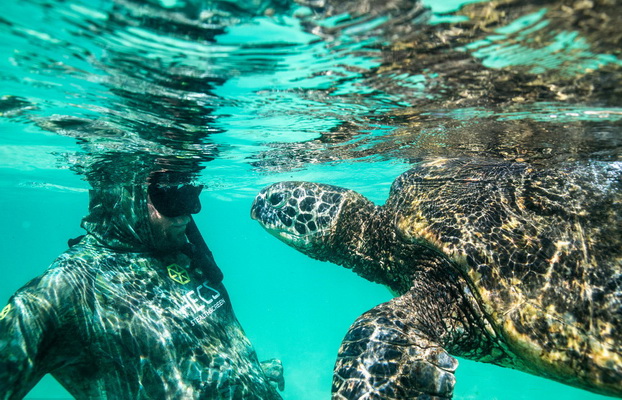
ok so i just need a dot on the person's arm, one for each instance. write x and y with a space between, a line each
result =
27 326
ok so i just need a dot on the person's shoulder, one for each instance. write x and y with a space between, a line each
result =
56 292
70 274
76 264
85 253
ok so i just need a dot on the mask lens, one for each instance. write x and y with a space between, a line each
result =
175 201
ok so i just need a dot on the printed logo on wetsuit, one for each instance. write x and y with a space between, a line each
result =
200 303
5 311
178 274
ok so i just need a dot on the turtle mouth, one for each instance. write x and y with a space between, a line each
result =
266 216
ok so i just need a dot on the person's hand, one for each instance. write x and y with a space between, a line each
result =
274 371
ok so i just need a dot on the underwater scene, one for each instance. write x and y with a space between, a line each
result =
245 94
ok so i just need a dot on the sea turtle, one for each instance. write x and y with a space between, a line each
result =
493 261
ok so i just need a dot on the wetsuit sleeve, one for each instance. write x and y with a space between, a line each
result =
27 332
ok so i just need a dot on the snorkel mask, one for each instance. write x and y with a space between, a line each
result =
173 195
173 200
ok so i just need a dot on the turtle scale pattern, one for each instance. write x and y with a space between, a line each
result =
493 261
542 250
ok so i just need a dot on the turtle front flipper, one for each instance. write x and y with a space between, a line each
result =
382 357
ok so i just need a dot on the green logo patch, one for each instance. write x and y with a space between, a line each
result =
178 274
5 311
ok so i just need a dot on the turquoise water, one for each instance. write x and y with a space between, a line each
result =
276 91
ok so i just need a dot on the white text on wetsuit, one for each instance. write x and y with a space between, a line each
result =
201 302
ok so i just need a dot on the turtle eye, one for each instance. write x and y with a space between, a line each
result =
277 200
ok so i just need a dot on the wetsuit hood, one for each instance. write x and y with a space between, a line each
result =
119 218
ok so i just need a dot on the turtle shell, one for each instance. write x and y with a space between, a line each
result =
540 248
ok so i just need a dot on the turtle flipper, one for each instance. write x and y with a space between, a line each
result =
383 358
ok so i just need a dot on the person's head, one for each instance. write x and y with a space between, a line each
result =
148 217
170 208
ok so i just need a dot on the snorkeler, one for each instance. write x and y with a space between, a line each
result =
136 309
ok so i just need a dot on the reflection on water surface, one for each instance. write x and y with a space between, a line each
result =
283 85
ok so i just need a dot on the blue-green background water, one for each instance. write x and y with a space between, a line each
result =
260 96
291 307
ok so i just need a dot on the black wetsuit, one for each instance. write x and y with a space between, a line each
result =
117 324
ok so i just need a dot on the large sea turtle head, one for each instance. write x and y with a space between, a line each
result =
305 215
